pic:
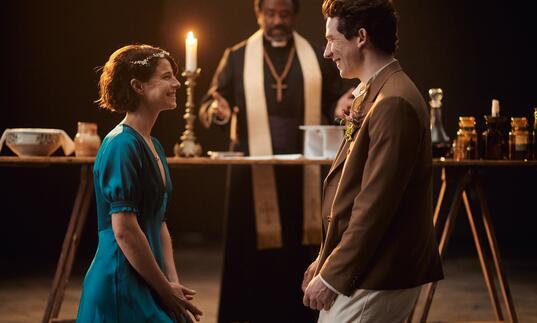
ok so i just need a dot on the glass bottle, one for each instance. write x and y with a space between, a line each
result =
495 139
439 139
535 133
87 141
466 141
519 139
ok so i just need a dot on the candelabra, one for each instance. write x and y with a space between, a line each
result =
188 147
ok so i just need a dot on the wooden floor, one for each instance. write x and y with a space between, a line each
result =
461 296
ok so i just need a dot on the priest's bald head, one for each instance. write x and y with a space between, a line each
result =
276 18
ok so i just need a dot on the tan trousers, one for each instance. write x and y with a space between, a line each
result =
372 306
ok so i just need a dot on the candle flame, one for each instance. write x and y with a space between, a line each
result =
190 36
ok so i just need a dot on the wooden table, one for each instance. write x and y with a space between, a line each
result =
84 197
464 174
74 229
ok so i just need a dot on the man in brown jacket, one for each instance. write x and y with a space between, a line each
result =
379 242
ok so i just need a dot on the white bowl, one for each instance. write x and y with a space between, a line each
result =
33 141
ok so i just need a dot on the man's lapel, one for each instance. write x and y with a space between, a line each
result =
378 82
376 85
340 156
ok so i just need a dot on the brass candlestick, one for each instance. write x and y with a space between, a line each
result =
188 146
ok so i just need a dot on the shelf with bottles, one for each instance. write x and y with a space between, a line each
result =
503 139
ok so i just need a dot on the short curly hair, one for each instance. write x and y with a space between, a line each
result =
115 91
259 3
377 17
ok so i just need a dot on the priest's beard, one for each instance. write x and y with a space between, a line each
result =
280 40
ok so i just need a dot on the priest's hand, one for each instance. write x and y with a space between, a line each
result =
308 274
318 296
343 107
220 107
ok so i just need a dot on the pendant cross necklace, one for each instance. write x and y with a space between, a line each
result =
279 86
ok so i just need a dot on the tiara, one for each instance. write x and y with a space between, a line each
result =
146 60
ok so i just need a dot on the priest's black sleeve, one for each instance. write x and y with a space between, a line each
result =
222 83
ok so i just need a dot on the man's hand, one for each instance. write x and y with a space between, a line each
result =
220 107
308 274
343 106
318 296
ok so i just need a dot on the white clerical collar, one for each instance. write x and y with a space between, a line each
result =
278 43
361 87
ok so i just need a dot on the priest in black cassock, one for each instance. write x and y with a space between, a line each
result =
278 81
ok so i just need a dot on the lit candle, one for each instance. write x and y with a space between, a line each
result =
191 45
495 108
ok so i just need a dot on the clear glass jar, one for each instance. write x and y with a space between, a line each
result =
519 139
87 141
495 138
466 142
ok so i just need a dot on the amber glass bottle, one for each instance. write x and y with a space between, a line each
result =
466 142
519 139
534 134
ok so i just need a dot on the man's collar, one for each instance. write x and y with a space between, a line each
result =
275 44
359 89
362 86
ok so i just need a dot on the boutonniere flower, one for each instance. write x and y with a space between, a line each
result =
350 128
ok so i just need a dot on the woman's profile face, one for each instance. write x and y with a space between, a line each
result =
159 90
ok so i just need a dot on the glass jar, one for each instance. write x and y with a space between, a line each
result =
519 139
87 141
495 139
465 146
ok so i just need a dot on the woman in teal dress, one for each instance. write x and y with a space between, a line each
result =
133 277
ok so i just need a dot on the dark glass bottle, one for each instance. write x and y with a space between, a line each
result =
519 139
495 142
495 138
439 139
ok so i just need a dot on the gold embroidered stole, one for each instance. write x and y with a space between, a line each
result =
268 226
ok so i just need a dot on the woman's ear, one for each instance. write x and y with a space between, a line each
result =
137 86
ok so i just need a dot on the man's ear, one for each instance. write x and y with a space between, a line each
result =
361 38
137 86
258 17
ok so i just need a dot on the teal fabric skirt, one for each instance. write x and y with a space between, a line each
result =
114 292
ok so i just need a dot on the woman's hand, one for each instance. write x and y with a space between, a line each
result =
177 304
185 291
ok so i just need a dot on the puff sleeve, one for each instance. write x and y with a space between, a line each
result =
120 175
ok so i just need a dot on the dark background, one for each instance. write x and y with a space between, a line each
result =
474 50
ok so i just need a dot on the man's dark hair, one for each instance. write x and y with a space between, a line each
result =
259 3
377 17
